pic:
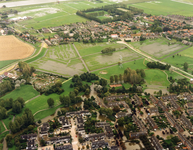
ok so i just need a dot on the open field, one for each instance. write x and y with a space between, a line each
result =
158 48
116 70
87 49
165 7
6 62
98 61
26 92
15 49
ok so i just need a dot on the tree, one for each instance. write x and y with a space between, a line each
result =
111 79
185 66
50 102
21 101
63 111
39 121
16 108
120 78
142 73
116 78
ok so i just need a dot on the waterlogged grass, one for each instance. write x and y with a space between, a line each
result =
26 92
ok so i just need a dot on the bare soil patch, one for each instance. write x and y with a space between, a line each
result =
116 85
12 48
159 50
103 72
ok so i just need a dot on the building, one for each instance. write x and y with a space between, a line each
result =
121 114
175 105
99 144
79 120
139 123
186 122
65 122
114 36
108 131
64 147
32 136
153 99
114 148
137 134
31 144
162 105
153 110
44 129
138 100
168 97
101 124
189 105
156 143
80 129
185 141
170 119
94 137
190 112
59 140
151 122
120 97
77 113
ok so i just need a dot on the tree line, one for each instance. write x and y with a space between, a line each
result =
158 65
108 50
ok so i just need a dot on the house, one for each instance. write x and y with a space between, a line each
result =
114 36
151 122
137 134
32 136
108 131
185 141
114 148
162 105
59 140
49 147
80 129
45 30
65 122
44 129
99 144
139 123
156 143
138 100
31 144
121 114
101 124
153 110
190 112
64 147
95 136
175 105
120 97
170 119
186 122
168 97
189 105
79 120
75 113
153 99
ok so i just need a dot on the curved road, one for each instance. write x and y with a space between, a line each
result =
153 59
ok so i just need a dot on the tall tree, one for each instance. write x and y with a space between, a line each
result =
16 108
185 66
50 102
111 79
120 78
116 78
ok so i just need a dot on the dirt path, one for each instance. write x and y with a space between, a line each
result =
5 145
81 58
31 99
4 126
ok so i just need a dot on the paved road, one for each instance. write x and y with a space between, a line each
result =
27 2
81 59
153 59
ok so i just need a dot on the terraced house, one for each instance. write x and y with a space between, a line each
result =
150 121
156 143
186 122
120 97
185 141
175 105
162 105
139 123
138 100
153 99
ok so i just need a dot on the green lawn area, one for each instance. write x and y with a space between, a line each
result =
26 92
2 127
165 7
41 54
174 75
3 135
188 52
116 70
6 62
7 120
156 77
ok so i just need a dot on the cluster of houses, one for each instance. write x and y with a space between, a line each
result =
8 75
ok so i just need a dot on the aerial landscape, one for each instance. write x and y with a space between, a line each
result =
96 75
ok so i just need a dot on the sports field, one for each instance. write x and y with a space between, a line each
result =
165 7
11 48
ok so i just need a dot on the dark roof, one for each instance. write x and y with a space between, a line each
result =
114 148
64 147
28 136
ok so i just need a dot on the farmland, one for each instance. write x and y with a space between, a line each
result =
6 62
159 48
26 92
165 7
15 49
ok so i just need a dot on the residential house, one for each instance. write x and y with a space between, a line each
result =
80 129
139 123
189 105
94 136
64 147
31 144
59 140
121 114
190 112
114 148
45 30
44 129
151 122
79 120
32 136
138 100
156 143
120 97
153 99
64 121
137 134
99 144
175 105
153 110
185 141
186 122
168 97
162 105
108 131
170 119
101 124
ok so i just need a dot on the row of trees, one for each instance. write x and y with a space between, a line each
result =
87 77
95 14
108 50
54 89
26 70
6 86
158 65
22 122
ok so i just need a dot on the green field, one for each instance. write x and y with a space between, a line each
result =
41 54
3 135
2 127
6 62
7 120
165 7
26 92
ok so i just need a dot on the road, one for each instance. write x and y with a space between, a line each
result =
153 59
81 59
27 2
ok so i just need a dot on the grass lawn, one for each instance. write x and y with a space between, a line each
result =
3 135
165 7
2 127
41 54
156 77
26 92
7 120
46 113
174 75
6 62
188 52
116 70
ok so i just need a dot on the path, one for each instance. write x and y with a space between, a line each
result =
32 99
5 145
4 126
81 58
153 59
